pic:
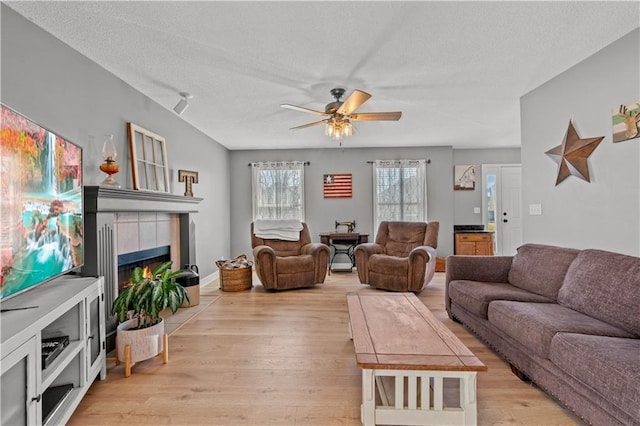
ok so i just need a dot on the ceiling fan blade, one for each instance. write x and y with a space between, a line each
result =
373 116
304 126
353 102
303 109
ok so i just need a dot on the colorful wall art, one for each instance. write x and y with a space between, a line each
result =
626 122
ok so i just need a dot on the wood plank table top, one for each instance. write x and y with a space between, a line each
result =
397 331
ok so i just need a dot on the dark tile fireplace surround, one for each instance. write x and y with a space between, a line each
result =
125 228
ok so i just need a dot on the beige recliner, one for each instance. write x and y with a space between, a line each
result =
403 257
282 265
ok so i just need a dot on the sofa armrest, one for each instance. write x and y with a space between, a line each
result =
475 268
362 253
265 263
478 268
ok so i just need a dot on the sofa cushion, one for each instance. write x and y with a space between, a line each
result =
294 264
540 268
475 296
606 286
534 324
389 265
608 365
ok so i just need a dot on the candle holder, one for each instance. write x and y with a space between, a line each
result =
109 166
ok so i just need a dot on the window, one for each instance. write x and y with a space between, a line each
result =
278 190
399 191
148 159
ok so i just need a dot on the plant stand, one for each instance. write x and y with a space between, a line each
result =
139 345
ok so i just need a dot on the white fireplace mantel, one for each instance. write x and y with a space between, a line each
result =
100 199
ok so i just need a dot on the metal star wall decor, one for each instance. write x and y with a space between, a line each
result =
571 155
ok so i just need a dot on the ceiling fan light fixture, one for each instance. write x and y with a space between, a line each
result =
347 130
338 128
339 114
329 129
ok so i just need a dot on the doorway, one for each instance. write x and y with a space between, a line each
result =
502 206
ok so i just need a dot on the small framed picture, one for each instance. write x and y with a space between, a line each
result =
626 122
464 178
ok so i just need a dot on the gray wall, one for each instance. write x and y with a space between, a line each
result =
321 213
465 201
604 213
59 88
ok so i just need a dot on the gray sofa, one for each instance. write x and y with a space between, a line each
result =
567 319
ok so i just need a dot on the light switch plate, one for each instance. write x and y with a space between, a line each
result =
535 209
476 210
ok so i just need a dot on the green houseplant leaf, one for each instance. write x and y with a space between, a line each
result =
146 297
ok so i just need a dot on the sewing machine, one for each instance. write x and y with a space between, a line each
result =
343 242
351 225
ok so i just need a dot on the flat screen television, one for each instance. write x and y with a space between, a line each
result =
41 205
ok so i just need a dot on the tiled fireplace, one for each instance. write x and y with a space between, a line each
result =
126 228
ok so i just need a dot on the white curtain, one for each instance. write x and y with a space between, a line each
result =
278 190
399 191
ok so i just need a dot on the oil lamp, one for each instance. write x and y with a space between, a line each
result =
109 166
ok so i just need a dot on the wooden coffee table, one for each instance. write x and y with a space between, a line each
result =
397 339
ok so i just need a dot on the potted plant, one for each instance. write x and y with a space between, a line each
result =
140 333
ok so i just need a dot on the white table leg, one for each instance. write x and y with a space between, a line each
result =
368 414
468 398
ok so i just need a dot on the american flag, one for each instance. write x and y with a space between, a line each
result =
337 185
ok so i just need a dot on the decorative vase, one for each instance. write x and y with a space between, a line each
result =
109 166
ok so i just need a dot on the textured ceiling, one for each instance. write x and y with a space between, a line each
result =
455 69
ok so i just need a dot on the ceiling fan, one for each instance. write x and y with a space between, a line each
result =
339 114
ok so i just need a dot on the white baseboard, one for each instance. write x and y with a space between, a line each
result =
209 279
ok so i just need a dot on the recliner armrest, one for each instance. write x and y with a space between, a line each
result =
265 265
370 248
314 249
421 252
421 267
262 251
362 253
320 253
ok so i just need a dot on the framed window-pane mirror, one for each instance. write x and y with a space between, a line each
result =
148 159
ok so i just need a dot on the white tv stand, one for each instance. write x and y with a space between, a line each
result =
69 305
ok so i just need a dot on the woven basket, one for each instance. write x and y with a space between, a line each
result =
235 279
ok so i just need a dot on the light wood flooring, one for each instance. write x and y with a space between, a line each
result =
282 358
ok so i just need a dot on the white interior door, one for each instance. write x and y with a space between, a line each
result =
502 201
511 209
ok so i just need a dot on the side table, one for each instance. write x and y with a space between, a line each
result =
343 243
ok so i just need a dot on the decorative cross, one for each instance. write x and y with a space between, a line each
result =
189 178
